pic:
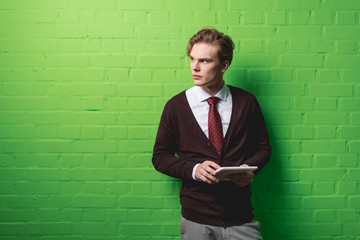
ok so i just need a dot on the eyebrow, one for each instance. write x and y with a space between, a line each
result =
201 59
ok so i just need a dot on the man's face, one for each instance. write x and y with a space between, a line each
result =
206 68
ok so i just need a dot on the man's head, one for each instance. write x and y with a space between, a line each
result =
211 36
211 54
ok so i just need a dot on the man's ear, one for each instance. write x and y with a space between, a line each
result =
225 66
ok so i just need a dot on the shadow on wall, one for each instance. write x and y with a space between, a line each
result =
268 191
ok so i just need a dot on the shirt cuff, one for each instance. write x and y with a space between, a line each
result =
193 172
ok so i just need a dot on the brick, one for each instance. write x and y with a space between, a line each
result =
160 61
94 160
346 47
354 174
12 229
93 117
112 61
104 89
299 32
301 216
93 146
323 17
301 60
347 188
348 160
346 5
301 161
139 174
116 132
145 5
7 187
291 188
326 132
321 175
275 46
144 230
140 104
350 75
354 202
38 188
304 132
326 118
109 31
255 60
319 229
352 229
136 47
254 5
156 32
250 32
45 146
322 47
300 46
324 188
187 5
88 132
283 89
229 17
142 203
340 61
299 17
251 46
94 201
275 18
298 4
94 174
82 4
47 174
303 103
117 188
349 132
325 216
89 228
136 146
344 32
135 17
252 17
324 202
324 146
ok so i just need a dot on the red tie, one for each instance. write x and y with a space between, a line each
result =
214 125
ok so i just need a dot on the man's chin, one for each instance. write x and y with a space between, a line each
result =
198 82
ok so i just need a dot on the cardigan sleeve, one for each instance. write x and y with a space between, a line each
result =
261 149
164 159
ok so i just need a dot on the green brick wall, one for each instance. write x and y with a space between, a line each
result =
83 84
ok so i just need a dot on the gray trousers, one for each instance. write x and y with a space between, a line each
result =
194 231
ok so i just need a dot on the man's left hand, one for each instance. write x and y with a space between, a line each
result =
241 179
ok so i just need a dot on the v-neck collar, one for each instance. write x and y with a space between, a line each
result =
231 123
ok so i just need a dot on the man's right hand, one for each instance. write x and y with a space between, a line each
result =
206 172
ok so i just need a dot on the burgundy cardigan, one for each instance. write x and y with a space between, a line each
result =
181 144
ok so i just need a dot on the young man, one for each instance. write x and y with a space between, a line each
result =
209 126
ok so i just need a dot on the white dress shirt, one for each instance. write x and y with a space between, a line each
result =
196 98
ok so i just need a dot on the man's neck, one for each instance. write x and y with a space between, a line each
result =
213 90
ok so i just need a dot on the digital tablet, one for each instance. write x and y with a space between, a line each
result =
223 171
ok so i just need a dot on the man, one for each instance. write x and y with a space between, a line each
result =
209 126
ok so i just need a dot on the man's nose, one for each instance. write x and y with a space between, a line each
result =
195 66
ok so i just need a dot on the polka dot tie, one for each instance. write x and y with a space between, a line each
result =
214 125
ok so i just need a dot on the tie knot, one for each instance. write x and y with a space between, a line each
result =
212 100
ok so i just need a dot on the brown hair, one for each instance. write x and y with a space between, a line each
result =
213 36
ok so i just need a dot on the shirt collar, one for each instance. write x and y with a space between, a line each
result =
222 94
